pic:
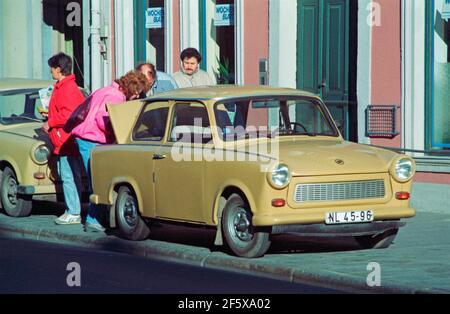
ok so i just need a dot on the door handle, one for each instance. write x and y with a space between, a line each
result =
159 157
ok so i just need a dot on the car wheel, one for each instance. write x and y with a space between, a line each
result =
129 220
377 241
239 232
13 205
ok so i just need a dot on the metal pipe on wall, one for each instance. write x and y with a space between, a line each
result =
113 39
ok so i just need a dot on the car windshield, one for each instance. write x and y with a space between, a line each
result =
20 107
257 118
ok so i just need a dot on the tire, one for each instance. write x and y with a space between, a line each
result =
238 230
377 241
13 205
128 218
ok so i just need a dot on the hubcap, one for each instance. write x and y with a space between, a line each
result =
130 211
12 191
241 225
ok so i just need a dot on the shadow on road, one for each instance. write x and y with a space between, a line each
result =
281 244
203 237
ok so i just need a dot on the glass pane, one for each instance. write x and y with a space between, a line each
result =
154 23
191 124
152 123
237 120
441 105
19 108
223 34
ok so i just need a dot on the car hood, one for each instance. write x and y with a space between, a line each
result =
31 130
314 157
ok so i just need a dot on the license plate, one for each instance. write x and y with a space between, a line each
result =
337 218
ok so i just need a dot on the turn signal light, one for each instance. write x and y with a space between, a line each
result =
402 196
278 202
39 175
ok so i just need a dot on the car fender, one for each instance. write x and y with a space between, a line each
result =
219 205
8 161
120 181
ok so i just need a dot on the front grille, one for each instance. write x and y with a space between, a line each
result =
339 191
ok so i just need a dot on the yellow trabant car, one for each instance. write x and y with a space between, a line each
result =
250 162
24 147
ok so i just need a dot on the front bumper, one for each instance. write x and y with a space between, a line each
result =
41 192
317 215
323 230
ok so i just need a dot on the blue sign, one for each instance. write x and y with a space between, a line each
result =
224 15
154 18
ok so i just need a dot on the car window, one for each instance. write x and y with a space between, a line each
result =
152 122
260 118
19 107
190 124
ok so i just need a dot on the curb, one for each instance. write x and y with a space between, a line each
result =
180 253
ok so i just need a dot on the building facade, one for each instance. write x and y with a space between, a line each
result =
380 66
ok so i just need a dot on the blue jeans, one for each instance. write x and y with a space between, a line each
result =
95 215
69 170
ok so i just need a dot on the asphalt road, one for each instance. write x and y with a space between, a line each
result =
28 266
418 261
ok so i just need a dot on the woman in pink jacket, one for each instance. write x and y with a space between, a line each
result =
96 129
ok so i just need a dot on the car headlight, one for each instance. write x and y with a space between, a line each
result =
40 154
403 169
280 176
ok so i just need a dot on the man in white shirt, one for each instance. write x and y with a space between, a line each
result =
190 74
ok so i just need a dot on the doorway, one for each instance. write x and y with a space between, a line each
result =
326 57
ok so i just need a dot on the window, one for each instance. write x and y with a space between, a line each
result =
438 82
259 118
190 124
154 24
19 107
217 39
151 125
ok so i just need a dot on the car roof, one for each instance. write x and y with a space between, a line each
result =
222 92
10 84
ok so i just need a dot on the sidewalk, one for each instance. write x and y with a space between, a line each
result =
418 262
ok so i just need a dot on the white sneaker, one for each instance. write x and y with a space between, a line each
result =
68 219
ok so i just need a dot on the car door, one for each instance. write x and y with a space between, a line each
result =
179 168
140 129
147 136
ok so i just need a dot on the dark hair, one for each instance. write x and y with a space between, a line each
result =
151 65
133 82
191 53
62 61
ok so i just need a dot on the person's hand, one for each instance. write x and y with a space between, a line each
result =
44 115
45 127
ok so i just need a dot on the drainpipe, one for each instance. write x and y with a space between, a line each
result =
96 58
113 39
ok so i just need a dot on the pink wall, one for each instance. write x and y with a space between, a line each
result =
176 36
256 38
386 63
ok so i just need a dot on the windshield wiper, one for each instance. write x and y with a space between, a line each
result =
292 132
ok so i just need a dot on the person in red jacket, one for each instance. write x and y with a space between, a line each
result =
65 99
